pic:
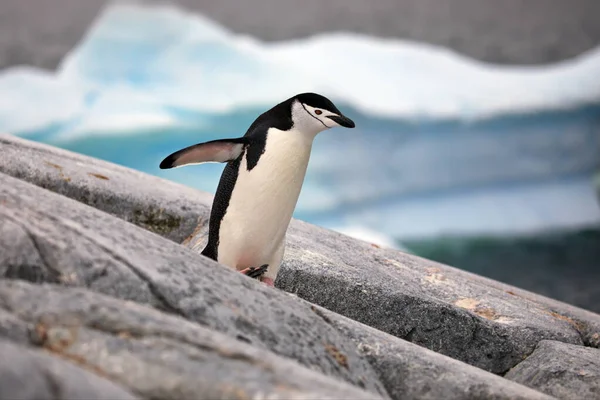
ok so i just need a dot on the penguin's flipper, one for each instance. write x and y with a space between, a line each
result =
222 150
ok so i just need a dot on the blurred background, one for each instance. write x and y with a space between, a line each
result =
478 121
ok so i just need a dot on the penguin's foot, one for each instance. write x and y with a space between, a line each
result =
255 272
267 281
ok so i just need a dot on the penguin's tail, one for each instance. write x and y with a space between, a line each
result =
209 252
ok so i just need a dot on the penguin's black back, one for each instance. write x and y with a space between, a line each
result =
219 206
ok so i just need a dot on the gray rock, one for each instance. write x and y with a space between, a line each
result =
48 238
561 370
153 354
166 208
11 327
45 237
409 371
453 312
471 318
27 374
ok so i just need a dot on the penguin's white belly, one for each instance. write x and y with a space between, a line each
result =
253 228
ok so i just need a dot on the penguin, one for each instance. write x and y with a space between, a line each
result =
261 182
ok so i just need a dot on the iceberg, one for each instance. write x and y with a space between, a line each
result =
443 143
180 61
33 99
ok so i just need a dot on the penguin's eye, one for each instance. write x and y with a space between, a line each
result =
318 112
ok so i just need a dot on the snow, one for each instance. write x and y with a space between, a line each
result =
177 60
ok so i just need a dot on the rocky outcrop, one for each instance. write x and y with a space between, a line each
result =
152 354
158 205
94 290
47 238
561 370
467 317
409 371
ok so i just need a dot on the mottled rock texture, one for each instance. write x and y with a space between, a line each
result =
121 300
38 375
155 355
47 238
157 205
561 370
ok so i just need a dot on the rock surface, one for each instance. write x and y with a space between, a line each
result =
45 237
561 370
155 204
470 318
49 240
411 371
467 317
27 374
154 355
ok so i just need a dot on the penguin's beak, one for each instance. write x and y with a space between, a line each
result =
342 121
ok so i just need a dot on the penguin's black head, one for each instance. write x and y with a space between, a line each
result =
313 112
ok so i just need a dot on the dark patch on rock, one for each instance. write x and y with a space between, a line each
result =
339 357
156 221
99 176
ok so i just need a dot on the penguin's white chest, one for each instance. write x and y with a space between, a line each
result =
252 231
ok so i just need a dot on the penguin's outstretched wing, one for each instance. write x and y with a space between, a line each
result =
222 150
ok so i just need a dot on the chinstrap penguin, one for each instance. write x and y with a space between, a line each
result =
260 185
